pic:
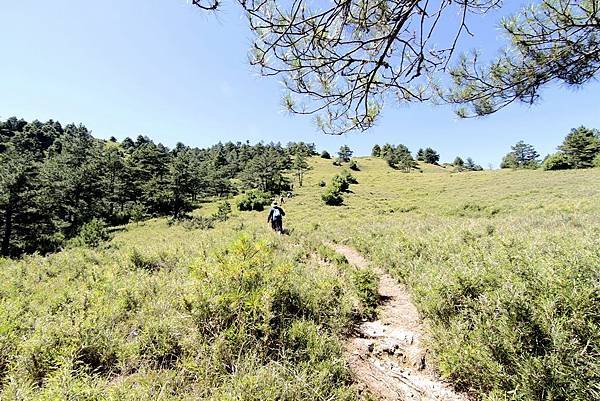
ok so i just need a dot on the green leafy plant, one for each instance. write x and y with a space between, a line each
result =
92 233
223 211
254 200
332 196
556 161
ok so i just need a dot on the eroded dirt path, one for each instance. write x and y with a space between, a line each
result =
387 355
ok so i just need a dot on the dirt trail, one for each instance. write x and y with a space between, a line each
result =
387 355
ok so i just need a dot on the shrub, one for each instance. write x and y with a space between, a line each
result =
556 161
345 174
339 183
137 212
151 262
223 211
366 282
337 162
354 166
597 160
254 200
332 196
331 256
325 155
92 233
322 183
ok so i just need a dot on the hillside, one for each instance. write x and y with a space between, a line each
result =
502 265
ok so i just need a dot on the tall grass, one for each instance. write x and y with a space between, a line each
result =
503 265
214 318
512 306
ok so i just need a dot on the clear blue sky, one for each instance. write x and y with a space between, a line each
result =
166 70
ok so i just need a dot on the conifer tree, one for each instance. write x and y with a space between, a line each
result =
581 146
345 154
300 166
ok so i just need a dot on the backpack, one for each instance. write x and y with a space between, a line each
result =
276 213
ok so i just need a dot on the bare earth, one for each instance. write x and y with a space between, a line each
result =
387 355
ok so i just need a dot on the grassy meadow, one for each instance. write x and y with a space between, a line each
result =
504 266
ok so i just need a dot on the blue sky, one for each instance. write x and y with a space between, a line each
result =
166 70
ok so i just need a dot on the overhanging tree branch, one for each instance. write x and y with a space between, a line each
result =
342 60
557 40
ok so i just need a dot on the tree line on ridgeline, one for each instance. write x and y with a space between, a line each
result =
579 149
400 157
54 180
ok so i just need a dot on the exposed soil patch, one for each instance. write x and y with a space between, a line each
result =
387 355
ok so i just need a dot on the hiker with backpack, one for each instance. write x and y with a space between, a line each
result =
276 218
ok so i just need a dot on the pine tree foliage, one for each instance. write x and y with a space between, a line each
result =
345 154
581 146
430 156
398 157
522 155
550 41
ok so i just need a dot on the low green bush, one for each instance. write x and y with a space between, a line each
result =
339 183
353 166
254 200
137 212
151 262
330 256
223 211
332 196
92 234
366 282
348 177
597 160
556 161
199 223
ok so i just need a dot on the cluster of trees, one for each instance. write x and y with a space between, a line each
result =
465 165
428 156
580 149
401 158
398 157
54 179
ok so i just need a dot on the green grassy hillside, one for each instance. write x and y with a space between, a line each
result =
502 264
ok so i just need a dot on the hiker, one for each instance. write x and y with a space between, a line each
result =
276 218
281 200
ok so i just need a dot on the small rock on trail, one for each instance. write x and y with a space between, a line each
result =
386 355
